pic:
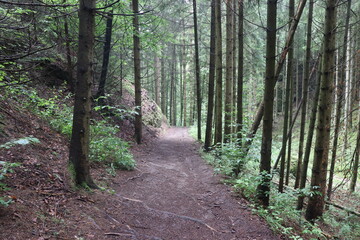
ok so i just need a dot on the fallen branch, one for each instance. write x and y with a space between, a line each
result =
343 208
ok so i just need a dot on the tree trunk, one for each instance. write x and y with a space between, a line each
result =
163 87
234 78
157 80
137 73
210 110
218 63
229 71
260 112
263 189
174 88
355 168
197 73
315 206
79 145
69 64
305 92
340 99
288 101
240 77
184 86
291 104
309 139
105 61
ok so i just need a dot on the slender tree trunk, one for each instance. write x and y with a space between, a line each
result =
121 74
316 202
355 168
157 80
105 62
69 64
163 87
287 103
240 77
172 83
210 110
184 86
174 88
263 189
260 111
137 73
340 98
197 73
218 63
305 92
79 144
229 71
234 82
291 104
309 139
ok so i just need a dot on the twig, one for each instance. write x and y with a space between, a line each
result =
117 234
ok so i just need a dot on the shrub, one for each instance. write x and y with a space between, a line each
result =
105 147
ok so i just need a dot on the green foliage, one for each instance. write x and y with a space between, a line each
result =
247 185
5 168
105 147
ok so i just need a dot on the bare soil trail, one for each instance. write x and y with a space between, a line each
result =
173 194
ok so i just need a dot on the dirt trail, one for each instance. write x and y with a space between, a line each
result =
174 195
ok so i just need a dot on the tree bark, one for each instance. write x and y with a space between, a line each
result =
340 99
355 168
69 63
229 71
287 103
305 92
157 80
309 139
240 77
163 87
184 86
197 73
79 144
105 61
137 73
316 202
218 63
260 112
210 110
263 189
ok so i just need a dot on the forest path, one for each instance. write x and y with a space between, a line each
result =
173 194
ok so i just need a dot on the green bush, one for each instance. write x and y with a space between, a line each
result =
105 147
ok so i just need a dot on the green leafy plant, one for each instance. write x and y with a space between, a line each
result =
5 168
105 147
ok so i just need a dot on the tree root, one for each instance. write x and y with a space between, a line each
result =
171 214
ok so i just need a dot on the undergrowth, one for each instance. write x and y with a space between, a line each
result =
281 215
105 146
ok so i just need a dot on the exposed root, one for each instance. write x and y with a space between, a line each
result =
171 214
118 234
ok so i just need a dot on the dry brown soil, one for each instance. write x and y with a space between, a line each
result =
172 193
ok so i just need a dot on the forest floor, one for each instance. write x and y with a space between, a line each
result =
172 193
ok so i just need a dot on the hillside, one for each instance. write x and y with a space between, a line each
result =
35 121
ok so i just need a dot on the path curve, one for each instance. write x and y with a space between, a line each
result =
173 194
